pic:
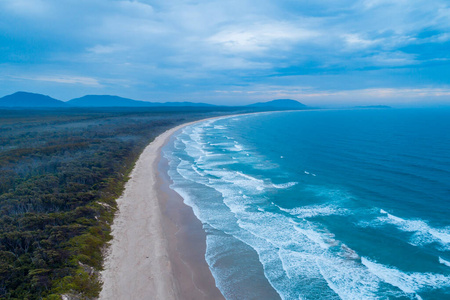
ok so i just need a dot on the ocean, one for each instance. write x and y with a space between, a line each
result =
321 204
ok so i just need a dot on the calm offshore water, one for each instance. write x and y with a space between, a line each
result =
349 204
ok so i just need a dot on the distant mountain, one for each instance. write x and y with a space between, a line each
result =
31 100
280 103
105 101
116 101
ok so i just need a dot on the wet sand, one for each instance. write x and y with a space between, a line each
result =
158 246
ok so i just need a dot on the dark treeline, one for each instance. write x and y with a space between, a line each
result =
60 173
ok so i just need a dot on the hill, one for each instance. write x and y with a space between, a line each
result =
116 101
280 104
32 100
105 101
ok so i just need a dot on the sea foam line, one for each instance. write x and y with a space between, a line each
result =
409 283
300 248
315 211
422 232
444 262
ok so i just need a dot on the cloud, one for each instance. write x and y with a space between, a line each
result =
388 93
354 40
307 92
407 92
370 4
65 79
27 8
184 48
260 37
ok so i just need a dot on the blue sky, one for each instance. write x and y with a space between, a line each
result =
322 52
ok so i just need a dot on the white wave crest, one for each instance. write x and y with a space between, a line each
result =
309 173
409 283
315 211
444 262
422 232
284 185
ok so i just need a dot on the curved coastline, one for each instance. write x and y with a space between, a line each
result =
249 282
148 257
158 246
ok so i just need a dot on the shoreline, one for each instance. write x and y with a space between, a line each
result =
186 239
158 246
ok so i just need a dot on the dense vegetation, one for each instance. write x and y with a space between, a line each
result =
60 173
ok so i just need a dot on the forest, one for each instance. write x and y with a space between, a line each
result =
61 171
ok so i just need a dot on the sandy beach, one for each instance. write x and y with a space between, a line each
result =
158 245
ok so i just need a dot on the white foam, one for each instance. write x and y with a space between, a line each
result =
441 234
197 170
284 185
396 219
444 262
309 173
301 259
237 148
221 144
295 253
248 182
244 180
193 149
331 195
409 283
349 279
306 258
316 211
315 237
264 166
423 233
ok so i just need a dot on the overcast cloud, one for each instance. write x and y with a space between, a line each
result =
319 52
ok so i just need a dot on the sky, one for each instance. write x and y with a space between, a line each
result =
321 52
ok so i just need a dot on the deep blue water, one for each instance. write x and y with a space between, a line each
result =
329 204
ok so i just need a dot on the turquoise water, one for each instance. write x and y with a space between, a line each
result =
330 204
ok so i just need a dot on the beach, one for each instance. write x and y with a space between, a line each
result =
281 214
295 208
158 245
